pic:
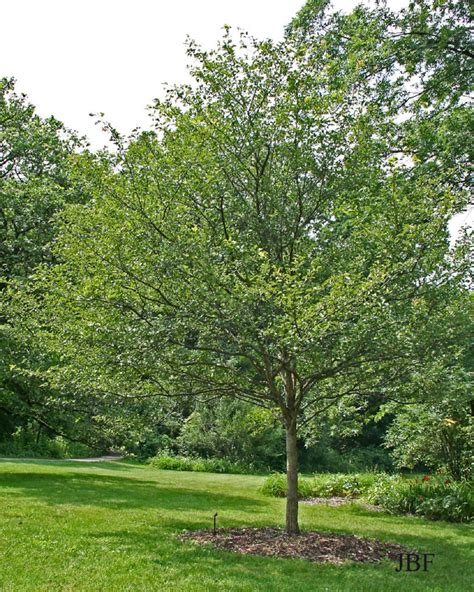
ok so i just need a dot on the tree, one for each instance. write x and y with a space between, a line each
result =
264 244
232 429
36 181
421 62
438 432
437 436
43 167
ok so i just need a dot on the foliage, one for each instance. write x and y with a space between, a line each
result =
438 436
264 243
346 440
423 57
353 485
276 485
435 498
233 430
36 182
322 485
239 432
24 443
382 487
324 458
280 237
200 465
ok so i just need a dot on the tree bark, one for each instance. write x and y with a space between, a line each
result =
292 527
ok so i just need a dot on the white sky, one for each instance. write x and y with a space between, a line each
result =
75 57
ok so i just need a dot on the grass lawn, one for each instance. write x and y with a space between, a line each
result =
113 526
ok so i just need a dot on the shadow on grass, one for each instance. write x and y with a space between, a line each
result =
451 542
153 538
66 463
117 492
162 548
436 527
207 568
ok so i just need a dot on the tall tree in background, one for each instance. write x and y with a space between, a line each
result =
35 184
44 167
421 62
273 241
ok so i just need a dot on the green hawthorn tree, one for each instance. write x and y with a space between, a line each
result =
266 242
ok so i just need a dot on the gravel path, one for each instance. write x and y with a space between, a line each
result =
105 458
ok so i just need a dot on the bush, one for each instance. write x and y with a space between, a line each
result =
320 485
24 444
275 485
342 485
438 437
434 498
233 430
325 458
199 465
383 489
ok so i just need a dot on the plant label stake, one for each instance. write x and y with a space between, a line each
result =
215 522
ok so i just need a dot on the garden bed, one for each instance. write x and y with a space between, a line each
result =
336 501
312 546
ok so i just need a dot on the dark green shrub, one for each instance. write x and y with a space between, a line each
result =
438 437
200 465
24 444
275 486
324 458
324 485
454 503
233 430
434 498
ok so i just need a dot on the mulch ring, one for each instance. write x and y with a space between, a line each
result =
313 546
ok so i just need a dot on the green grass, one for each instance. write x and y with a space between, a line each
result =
113 527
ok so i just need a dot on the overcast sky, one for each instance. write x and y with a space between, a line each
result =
75 57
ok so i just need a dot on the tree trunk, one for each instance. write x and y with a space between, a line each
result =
38 434
292 527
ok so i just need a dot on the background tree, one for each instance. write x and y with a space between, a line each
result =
423 57
438 433
36 181
421 63
234 430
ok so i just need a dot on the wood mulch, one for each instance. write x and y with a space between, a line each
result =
313 546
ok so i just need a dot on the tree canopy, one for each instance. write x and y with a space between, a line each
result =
36 182
280 237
